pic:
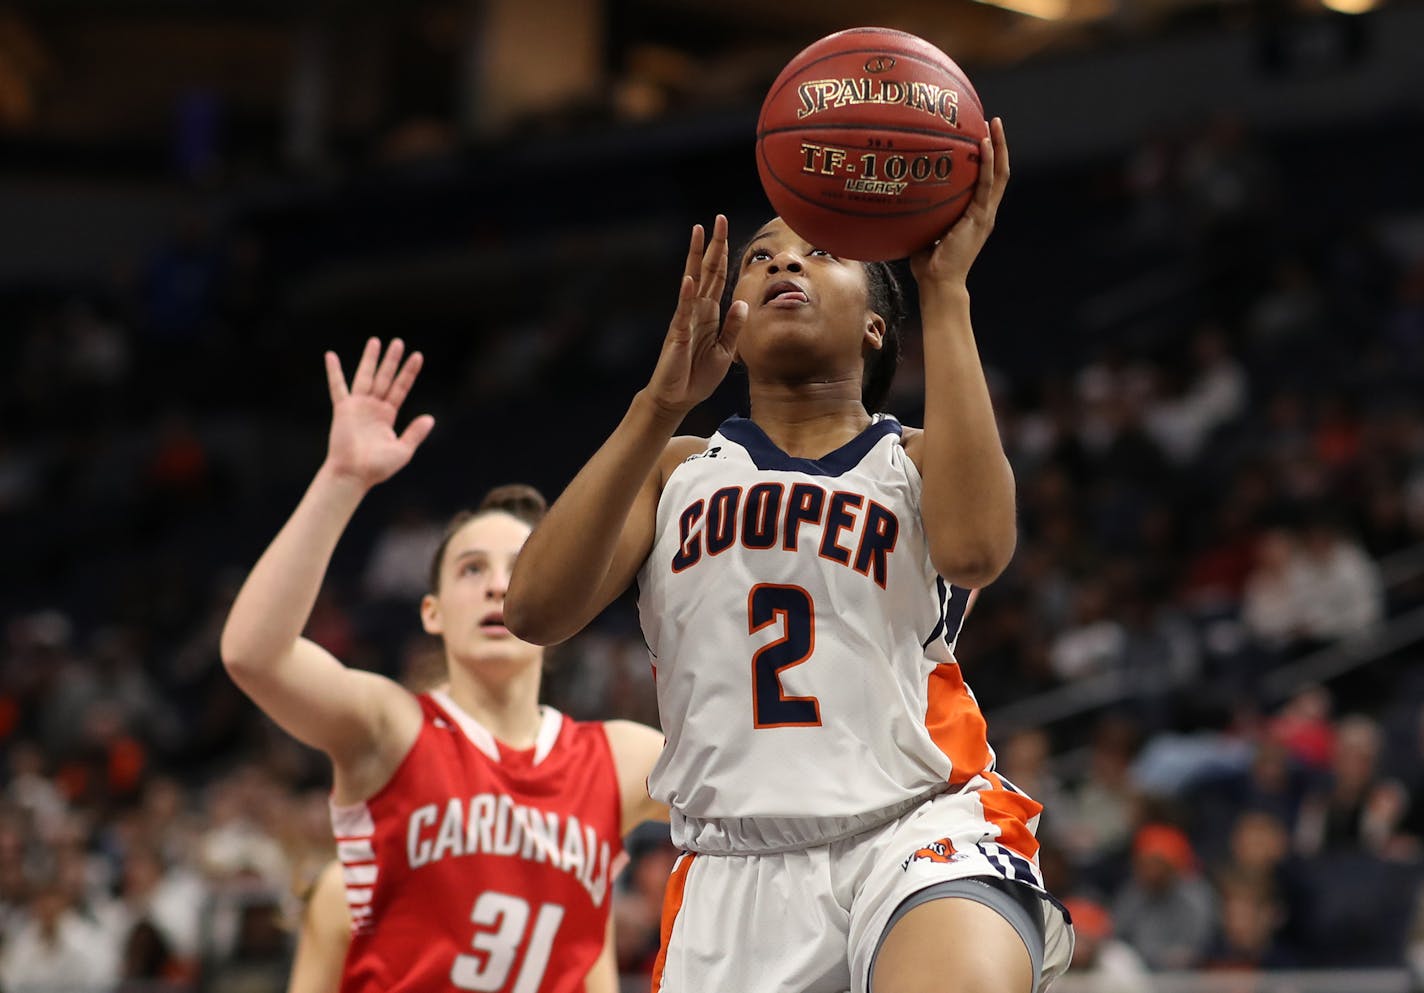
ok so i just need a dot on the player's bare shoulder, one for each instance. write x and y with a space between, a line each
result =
913 439
634 745
680 449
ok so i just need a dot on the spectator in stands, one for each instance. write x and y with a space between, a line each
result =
1183 416
53 947
1166 911
1107 964
1312 588
1101 809
1303 726
1096 642
1271 606
1339 582
31 790
1271 885
170 900
146 959
1252 915
1272 785
1356 808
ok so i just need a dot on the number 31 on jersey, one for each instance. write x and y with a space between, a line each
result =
503 922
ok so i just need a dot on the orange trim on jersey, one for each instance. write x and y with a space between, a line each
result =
956 725
1010 812
672 905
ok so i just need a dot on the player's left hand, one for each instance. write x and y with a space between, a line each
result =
363 445
946 263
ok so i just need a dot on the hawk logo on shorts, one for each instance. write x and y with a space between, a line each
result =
941 851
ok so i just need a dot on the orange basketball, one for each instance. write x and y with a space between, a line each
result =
868 143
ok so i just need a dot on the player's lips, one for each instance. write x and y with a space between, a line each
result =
785 293
493 624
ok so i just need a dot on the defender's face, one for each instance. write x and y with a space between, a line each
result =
468 612
802 303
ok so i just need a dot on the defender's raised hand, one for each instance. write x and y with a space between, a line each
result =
699 347
363 444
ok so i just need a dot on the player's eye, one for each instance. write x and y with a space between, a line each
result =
820 251
471 569
756 254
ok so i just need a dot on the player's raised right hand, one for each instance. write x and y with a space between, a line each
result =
699 347
363 446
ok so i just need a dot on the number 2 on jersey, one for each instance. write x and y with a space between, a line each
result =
508 917
791 607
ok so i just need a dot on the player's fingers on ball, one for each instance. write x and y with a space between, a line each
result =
386 371
366 368
988 163
400 388
1001 168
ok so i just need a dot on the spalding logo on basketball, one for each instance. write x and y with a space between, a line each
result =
868 143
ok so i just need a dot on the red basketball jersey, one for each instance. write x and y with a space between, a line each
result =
479 867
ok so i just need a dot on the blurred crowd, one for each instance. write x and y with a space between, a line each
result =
1212 405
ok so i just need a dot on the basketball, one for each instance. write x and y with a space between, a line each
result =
868 143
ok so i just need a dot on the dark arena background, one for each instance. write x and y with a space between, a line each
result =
1202 311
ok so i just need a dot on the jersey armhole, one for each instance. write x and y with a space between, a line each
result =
908 435
421 699
677 451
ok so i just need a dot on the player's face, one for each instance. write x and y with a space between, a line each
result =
468 612
808 309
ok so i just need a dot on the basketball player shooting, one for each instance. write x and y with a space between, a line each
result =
802 577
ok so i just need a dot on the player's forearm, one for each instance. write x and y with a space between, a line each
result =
557 585
968 496
275 602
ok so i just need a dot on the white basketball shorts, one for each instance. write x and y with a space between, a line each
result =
810 920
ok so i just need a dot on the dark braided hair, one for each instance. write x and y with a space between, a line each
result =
888 300
885 298
523 503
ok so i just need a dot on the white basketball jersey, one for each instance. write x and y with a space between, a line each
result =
801 639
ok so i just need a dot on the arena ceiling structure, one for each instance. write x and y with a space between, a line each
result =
117 75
